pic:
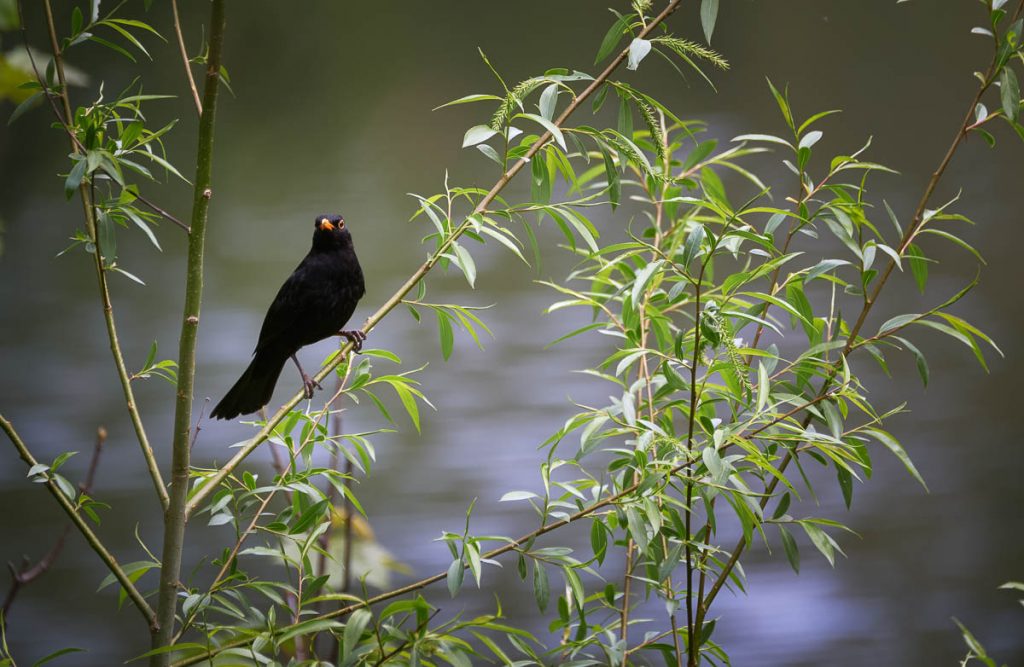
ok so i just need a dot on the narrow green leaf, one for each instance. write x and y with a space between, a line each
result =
1009 93
792 551
74 178
613 37
896 448
918 266
708 16
29 103
447 336
548 125
541 585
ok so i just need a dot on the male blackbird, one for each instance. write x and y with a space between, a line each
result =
314 303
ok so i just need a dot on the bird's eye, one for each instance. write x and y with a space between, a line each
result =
341 224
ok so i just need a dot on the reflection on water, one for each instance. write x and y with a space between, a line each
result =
339 119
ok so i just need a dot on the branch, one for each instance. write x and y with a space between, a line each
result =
209 485
851 343
176 517
90 222
184 59
71 510
29 573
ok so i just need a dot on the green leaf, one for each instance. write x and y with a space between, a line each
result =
456 572
824 266
29 102
540 181
820 540
59 653
447 336
469 98
691 247
548 101
541 585
613 37
477 134
74 178
548 125
918 266
1009 93
792 551
922 363
896 448
465 262
783 103
625 122
708 15
354 629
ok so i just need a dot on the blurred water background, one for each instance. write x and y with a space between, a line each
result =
332 112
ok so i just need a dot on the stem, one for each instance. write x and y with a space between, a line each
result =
211 483
176 517
184 59
101 275
71 510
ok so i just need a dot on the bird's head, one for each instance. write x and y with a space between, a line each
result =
330 233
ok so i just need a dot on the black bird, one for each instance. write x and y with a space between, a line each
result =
313 304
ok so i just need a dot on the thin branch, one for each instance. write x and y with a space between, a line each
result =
209 485
184 59
29 573
108 308
72 511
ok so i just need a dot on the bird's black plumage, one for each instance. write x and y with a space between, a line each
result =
314 303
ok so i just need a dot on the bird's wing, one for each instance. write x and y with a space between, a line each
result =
290 307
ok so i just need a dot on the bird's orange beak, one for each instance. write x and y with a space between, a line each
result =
326 224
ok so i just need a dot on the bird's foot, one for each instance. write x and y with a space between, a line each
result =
356 337
308 384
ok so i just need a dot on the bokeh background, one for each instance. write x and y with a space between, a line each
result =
332 112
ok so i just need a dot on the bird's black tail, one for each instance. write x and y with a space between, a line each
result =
254 388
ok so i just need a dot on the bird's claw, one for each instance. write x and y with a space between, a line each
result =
356 337
308 384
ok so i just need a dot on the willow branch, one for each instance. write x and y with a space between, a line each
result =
176 516
211 483
917 222
72 511
27 574
101 272
184 59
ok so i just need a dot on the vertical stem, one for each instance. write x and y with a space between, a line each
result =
88 209
175 518
184 58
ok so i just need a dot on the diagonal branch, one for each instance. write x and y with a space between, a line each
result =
90 537
29 573
209 485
